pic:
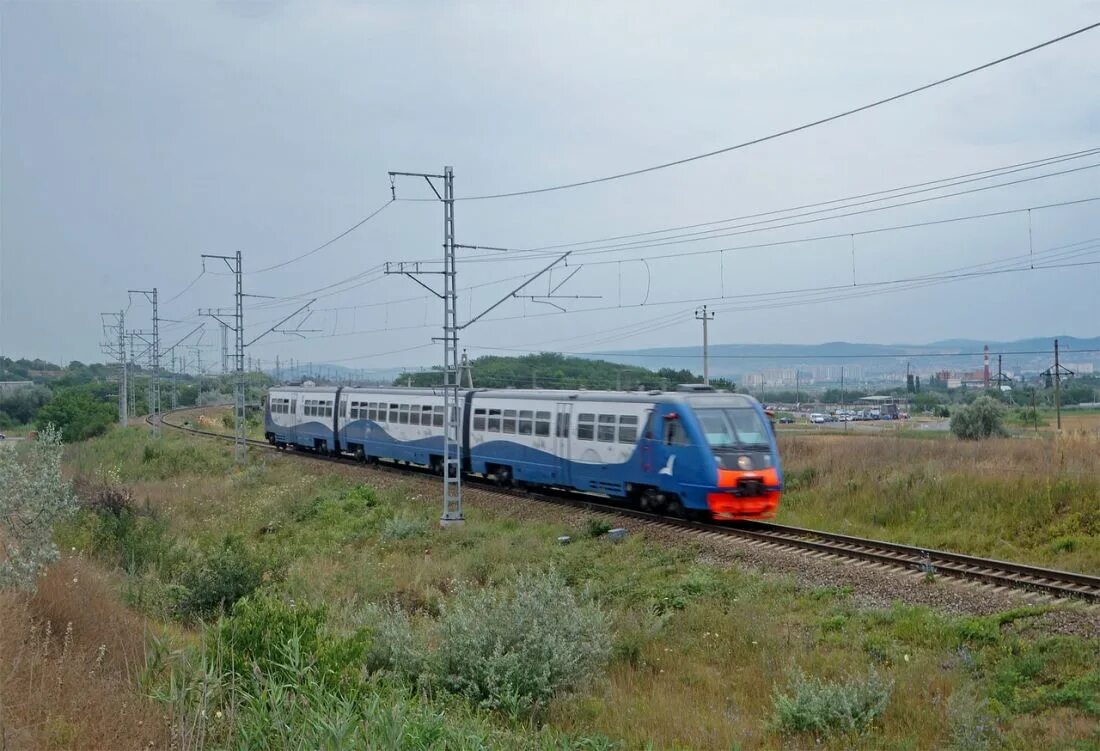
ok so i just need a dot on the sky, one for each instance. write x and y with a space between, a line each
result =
136 136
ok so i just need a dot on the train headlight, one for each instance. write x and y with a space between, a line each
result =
744 462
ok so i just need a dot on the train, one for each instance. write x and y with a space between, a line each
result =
691 451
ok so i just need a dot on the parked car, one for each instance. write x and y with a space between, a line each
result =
786 420
818 418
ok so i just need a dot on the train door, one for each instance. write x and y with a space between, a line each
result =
652 449
561 442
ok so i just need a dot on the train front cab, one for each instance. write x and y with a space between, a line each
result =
717 454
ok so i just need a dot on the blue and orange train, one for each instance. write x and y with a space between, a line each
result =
691 451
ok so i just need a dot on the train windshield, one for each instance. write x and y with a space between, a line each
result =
737 428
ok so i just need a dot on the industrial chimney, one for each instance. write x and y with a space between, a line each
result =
985 373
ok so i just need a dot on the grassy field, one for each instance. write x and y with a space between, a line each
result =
1026 499
364 624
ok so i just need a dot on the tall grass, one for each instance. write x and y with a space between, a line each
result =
1023 499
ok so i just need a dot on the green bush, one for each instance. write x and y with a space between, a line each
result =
261 627
825 707
78 412
403 528
217 579
983 418
513 648
597 527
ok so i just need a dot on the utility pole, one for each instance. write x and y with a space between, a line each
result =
225 348
1056 372
1057 386
240 428
703 315
154 344
452 434
115 346
467 371
843 397
240 383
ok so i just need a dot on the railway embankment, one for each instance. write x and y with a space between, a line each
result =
337 582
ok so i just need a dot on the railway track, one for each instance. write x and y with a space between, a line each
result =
931 562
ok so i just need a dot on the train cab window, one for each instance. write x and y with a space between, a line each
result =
494 421
437 417
605 431
628 429
526 422
563 425
586 426
479 419
508 424
542 423
414 415
403 415
675 435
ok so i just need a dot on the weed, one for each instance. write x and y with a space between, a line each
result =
596 527
403 528
214 581
827 707
512 648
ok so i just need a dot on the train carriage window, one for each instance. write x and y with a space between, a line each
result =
479 419
494 421
371 412
403 415
508 424
294 406
437 417
393 414
376 412
605 432
414 414
675 435
526 422
562 427
343 407
542 423
426 414
586 428
628 429
328 408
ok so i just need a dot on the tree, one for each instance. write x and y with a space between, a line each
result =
33 497
980 419
77 412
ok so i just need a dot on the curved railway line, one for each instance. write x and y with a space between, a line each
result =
1004 574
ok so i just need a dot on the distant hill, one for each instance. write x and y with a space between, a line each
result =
733 360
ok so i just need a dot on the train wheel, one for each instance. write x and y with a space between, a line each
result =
673 507
360 455
504 477
650 500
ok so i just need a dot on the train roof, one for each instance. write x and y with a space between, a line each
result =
695 398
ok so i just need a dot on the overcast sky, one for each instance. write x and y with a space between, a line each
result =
136 136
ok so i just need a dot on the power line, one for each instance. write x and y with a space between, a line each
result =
921 187
808 356
716 234
789 131
324 245
846 291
